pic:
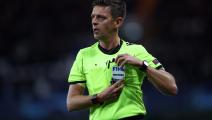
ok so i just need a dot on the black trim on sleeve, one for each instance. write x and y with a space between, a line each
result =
159 67
77 82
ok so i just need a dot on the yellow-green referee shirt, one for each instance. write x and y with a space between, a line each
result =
93 69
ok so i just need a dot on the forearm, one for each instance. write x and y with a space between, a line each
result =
162 80
75 98
77 102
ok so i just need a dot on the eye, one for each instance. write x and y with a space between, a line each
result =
100 17
92 16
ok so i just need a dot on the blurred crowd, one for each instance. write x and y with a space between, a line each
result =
39 41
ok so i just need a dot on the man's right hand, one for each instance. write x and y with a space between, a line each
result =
111 92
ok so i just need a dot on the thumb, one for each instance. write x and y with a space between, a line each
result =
118 83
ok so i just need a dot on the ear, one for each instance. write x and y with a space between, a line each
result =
119 21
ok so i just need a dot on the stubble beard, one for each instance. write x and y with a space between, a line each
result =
99 37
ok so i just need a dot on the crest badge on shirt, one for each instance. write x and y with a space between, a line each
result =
155 61
118 73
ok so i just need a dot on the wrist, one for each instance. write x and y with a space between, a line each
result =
143 66
99 98
96 99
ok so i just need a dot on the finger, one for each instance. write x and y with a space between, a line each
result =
120 55
116 84
119 60
119 88
116 59
123 63
116 95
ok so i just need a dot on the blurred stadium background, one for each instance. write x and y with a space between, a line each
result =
40 38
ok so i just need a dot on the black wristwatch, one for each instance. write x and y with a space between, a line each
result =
95 100
144 66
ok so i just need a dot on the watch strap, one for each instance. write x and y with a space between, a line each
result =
144 66
95 100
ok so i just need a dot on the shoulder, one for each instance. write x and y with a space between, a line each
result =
134 46
88 50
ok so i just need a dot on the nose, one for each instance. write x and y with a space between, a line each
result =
94 21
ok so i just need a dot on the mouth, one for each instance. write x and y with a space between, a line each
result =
95 30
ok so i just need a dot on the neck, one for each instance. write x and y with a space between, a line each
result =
110 43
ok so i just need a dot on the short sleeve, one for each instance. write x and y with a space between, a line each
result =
142 54
77 74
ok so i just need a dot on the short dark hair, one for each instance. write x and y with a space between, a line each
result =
118 7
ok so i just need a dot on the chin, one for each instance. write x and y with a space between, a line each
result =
96 37
99 37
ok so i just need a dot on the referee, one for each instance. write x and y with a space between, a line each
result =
94 66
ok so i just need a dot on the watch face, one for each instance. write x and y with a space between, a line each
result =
146 63
94 100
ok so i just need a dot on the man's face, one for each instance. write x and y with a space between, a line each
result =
102 22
